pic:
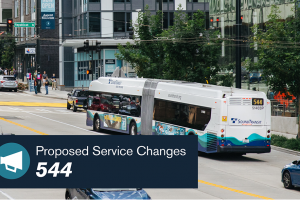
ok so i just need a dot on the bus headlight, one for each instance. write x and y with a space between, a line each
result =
222 141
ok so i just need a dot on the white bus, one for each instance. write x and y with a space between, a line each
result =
225 119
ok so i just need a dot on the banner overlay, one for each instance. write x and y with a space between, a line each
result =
98 161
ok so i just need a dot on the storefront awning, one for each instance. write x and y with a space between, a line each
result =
76 43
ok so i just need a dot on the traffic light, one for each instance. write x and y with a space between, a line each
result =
88 72
241 20
211 22
9 28
98 47
218 21
86 46
131 33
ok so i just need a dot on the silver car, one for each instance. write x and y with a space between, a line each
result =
8 82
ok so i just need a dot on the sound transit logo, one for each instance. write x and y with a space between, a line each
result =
14 161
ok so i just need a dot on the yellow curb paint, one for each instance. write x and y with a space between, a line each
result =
234 190
33 104
20 125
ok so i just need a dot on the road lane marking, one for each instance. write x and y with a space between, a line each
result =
33 104
9 197
234 190
59 122
20 125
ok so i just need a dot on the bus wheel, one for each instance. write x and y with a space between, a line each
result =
191 133
132 129
96 126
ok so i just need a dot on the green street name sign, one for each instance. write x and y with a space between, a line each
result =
24 24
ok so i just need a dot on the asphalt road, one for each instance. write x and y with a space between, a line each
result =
254 176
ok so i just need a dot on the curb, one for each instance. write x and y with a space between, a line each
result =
284 150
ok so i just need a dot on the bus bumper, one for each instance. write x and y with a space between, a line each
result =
244 149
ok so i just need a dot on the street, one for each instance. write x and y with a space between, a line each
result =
253 176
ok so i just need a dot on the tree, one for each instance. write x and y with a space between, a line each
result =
279 53
8 46
185 51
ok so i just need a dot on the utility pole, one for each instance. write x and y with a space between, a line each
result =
37 27
238 72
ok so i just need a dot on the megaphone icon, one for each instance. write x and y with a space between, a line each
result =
13 160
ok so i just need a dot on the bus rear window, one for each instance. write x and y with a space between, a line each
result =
190 116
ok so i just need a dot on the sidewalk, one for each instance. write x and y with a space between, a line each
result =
287 135
56 94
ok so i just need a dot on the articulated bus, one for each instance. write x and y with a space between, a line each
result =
224 119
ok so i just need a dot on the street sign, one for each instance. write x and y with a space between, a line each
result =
24 24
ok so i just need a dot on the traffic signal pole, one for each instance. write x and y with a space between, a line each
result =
238 71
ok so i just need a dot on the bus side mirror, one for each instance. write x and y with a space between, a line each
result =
295 162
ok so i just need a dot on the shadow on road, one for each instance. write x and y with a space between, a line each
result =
228 157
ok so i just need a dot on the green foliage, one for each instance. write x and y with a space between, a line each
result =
281 141
22 86
178 53
278 52
7 45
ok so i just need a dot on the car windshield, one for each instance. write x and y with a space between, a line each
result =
114 189
81 93
9 78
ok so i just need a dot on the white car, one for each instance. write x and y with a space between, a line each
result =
8 82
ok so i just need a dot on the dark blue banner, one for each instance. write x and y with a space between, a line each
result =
98 162
48 20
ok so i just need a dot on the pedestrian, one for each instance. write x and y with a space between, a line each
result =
271 95
44 78
5 71
35 85
15 73
46 84
53 82
35 74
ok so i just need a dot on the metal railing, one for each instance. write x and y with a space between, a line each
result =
286 108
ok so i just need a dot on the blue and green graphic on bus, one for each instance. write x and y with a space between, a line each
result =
166 129
115 122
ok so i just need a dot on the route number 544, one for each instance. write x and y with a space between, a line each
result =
42 169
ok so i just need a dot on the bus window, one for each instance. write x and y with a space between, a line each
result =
185 115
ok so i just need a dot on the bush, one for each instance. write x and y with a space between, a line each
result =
22 86
281 141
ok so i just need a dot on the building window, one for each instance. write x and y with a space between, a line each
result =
22 7
94 1
119 21
16 8
26 7
32 6
165 1
75 26
6 14
94 21
168 19
195 1
32 32
75 4
121 1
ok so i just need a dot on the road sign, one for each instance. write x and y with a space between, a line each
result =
24 24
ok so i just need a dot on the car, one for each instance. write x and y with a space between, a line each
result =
8 82
290 175
255 77
77 99
104 104
101 193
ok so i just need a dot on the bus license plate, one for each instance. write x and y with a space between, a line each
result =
245 140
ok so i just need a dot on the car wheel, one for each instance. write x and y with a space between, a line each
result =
15 90
68 106
132 129
287 181
96 125
74 108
